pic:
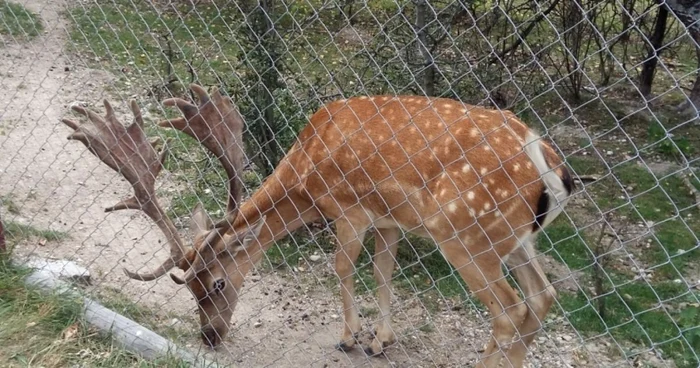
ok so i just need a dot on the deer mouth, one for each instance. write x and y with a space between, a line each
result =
211 337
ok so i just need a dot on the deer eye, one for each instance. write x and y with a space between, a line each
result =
218 286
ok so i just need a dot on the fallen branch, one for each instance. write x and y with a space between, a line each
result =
583 179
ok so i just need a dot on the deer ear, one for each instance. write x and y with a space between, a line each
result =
244 239
200 221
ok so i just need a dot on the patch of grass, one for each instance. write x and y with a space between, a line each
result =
648 313
9 204
565 244
670 146
17 21
635 314
674 247
15 232
149 317
43 329
369 312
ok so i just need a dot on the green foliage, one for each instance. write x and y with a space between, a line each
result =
17 21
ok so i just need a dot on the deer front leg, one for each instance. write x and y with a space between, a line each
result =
385 246
349 246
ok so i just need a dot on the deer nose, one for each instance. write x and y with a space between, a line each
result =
210 337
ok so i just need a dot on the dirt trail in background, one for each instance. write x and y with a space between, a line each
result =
280 322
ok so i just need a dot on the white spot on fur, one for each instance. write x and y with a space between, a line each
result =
487 148
483 171
474 132
432 222
465 168
471 195
516 167
472 213
528 165
452 207
487 206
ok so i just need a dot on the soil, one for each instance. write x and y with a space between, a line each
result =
283 319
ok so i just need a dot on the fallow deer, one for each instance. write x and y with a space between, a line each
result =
477 181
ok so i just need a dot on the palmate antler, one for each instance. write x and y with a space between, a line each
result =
218 126
127 151
215 123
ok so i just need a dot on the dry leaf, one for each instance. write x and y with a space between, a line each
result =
42 242
70 333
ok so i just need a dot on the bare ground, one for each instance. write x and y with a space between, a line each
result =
283 319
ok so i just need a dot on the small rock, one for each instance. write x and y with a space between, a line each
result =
315 258
257 324
334 316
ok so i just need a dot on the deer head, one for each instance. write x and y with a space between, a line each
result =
218 126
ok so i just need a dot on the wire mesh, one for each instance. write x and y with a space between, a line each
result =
611 84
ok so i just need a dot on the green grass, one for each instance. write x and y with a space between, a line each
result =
634 315
18 22
15 232
633 310
34 329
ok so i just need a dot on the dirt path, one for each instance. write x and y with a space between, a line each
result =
279 321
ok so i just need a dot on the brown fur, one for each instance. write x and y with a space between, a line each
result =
400 162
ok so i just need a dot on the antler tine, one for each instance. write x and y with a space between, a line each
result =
127 151
218 126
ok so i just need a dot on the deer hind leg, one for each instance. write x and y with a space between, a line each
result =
483 275
349 247
385 246
539 296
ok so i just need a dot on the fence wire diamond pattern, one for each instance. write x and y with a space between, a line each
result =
612 85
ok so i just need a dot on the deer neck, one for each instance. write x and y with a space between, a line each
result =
284 210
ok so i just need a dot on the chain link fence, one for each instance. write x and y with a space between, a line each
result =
611 83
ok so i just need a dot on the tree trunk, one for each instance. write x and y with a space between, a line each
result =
695 92
646 78
428 83
688 12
